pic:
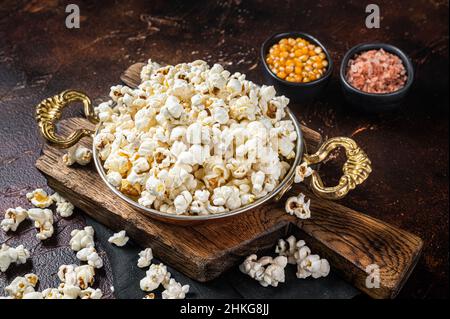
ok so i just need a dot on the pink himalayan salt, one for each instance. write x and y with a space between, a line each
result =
376 71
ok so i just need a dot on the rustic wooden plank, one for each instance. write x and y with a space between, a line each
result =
349 239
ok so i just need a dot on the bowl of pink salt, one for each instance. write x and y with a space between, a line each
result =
376 77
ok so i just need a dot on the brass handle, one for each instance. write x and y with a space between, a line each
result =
356 169
49 111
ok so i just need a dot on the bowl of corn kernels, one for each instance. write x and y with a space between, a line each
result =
297 64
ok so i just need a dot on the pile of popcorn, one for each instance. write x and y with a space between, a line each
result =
194 139
270 271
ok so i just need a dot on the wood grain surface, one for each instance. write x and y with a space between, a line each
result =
409 184
350 240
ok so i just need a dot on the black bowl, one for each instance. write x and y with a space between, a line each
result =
296 92
375 102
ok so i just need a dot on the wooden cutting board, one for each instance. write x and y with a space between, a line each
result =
350 240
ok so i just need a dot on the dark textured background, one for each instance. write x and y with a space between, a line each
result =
409 148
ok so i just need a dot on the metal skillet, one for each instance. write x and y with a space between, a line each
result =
355 170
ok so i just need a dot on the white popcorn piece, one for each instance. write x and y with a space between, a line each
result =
77 154
119 239
13 218
287 248
82 238
10 255
39 198
43 221
182 202
155 186
313 265
155 276
174 290
301 172
69 291
114 178
79 276
52 293
274 273
297 206
267 271
90 293
145 258
23 286
84 276
90 255
63 207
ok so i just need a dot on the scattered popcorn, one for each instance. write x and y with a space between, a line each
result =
145 258
40 198
313 266
296 205
287 248
23 287
80 276
9 255
77 154
174 290
155 276
301 172
90 293
271 275
63 206
90 255
119 239
300 254
13 218
193 128
82 238
43 221
52 293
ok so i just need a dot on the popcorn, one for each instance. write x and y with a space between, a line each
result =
9 255
296 205
13 218
43 220
52 293
23 287
69 291
77 154
119 239
182 202
300 254
174 290
39 198
80 276
82 238
287 248
313 266
75 283
301 172
63 207
145 258
155 276
192 127
271 275
90 293
90 255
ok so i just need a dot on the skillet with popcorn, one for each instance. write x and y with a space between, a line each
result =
196 143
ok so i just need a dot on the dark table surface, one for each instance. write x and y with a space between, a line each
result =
39 57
